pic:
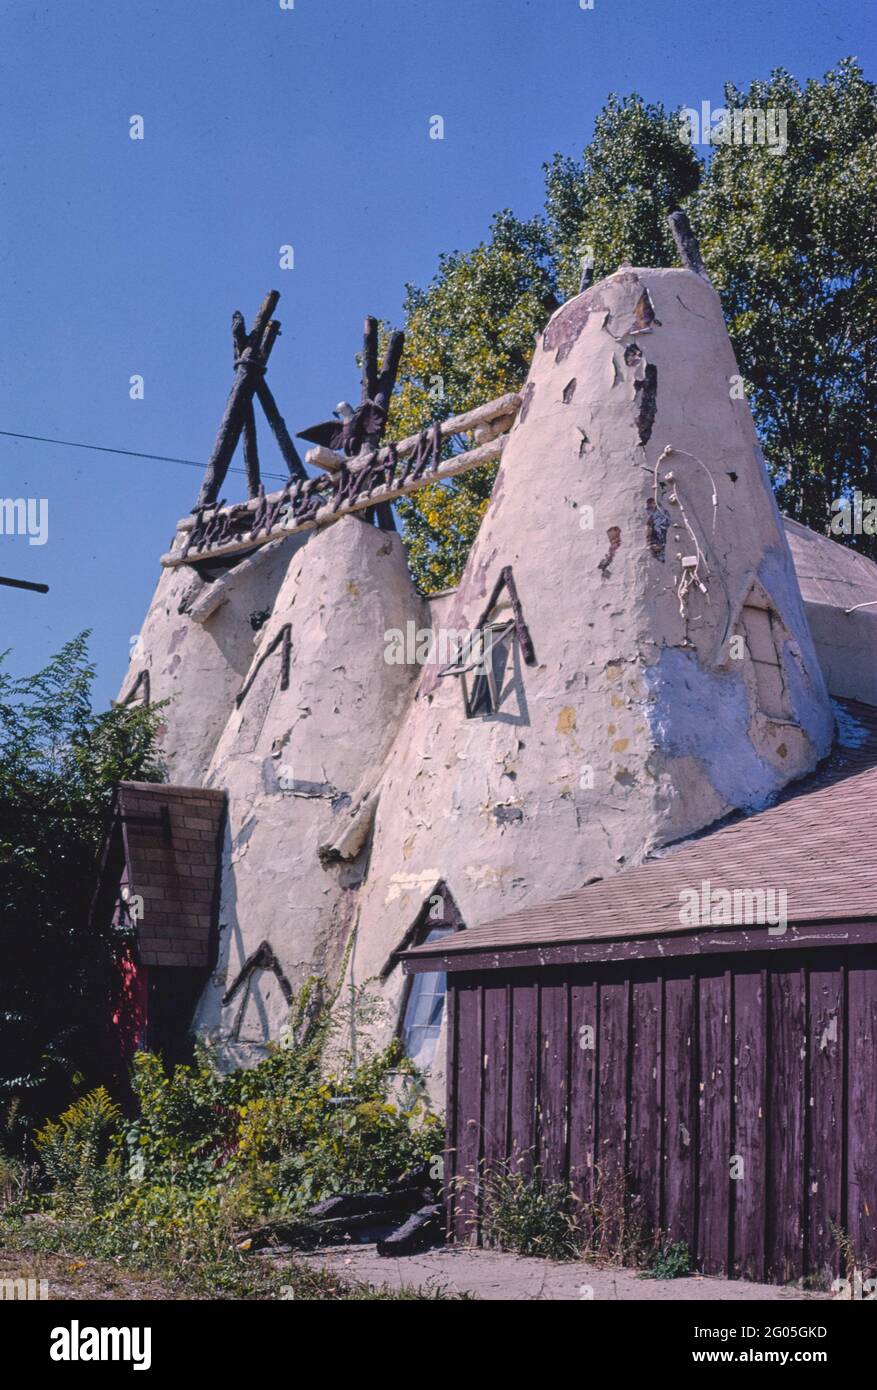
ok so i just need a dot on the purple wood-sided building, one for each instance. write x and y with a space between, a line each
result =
726 1068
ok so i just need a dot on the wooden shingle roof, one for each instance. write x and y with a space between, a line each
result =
818 842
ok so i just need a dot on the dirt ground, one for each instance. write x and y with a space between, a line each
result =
72 1278
486 1274
493 1275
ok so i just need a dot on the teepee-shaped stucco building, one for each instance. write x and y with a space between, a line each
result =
626 661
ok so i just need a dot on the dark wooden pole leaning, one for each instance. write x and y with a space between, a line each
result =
266 399
262 319
383 512
389 368
369 359
281 433
251 451
248 372
686 243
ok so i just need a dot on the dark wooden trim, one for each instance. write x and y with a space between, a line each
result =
506 580
801 935
213 934
686 242
284 636
452 917
369 359
141 681
263 958
522 631
449 1153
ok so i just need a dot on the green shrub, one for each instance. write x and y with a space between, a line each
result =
76 1151
524 1213
287 1131
208 1154
670 1262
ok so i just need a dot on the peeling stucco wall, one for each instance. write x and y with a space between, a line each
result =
638 721
199 666
635 727
296 762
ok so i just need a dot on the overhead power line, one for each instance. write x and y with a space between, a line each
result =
128 453
24 584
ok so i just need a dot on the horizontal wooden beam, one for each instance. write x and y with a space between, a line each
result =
503 407
499 413
605 950
344 490
331 510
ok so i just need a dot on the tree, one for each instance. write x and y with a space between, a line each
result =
790 241
470 334
468 338
613 204
58 764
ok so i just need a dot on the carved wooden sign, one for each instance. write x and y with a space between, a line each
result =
373 478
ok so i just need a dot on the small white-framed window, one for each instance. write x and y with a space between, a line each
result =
425 1007
484 654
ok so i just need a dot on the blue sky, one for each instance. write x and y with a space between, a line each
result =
264 127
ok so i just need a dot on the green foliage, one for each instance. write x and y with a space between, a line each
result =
790 241
15 1174
469 336
58 764
287 1133
207 1153
672 1261
75 1151
616 199
468 339
524 1213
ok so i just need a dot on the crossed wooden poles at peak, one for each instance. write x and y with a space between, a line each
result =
354 431
351 430
252 351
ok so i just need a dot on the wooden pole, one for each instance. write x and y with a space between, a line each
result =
249 370
262 319
686 243
266 399
389 368
281 433
251 450
269 338
369 359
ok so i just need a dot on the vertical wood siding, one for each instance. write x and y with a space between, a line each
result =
673 1073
